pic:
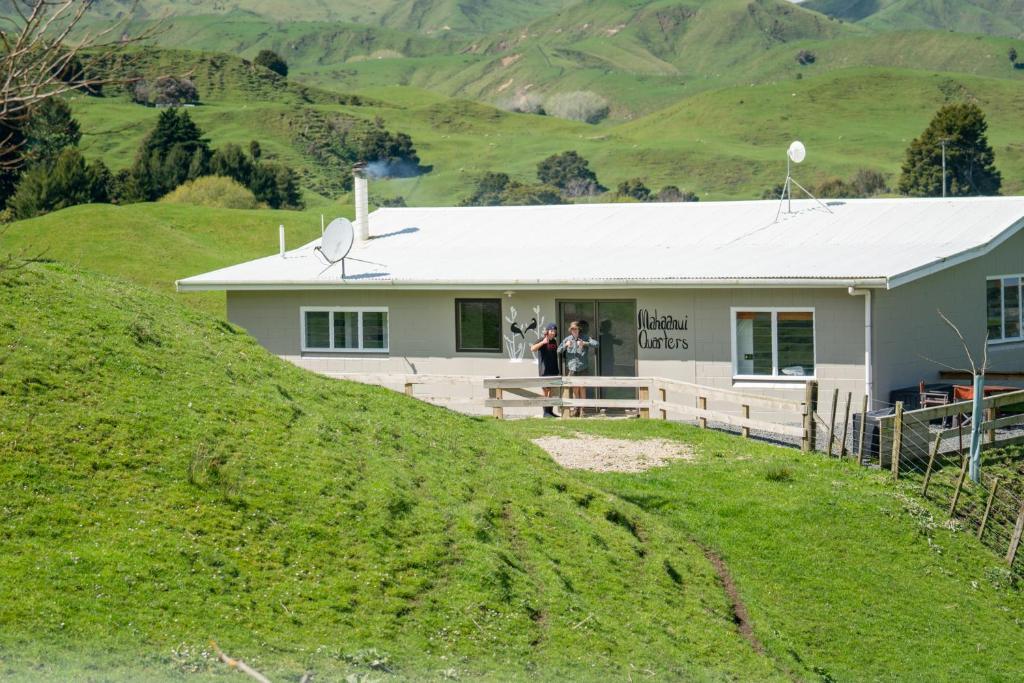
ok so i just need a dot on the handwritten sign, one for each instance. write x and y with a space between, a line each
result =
656 331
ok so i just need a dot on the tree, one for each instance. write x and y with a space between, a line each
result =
805 57
166 91
387 154
519 194
173 152
634 188
1012 54
489 190
65 182
276 185
560 170
50 129
970 160
232 162
868 183
273 61
254 150
671 193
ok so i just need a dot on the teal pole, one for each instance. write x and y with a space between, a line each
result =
978 416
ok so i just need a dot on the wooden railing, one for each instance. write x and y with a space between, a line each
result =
663 397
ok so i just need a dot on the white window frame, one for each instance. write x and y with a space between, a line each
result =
775 377
1002 308
330 325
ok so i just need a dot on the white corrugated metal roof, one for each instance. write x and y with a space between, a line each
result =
870 242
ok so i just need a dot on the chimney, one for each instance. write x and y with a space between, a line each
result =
362 193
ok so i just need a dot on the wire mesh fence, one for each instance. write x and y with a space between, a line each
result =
930 453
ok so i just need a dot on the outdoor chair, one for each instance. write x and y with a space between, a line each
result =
930 399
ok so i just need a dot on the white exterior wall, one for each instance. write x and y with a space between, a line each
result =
422 332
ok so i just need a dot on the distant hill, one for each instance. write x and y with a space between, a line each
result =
991 17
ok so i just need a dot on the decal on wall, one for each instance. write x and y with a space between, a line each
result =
656 331
515 341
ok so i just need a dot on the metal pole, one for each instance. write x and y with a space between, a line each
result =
977 418
943 168
789 188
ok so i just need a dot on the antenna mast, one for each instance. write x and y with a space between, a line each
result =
795 154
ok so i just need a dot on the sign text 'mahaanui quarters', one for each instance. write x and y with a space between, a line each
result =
659 331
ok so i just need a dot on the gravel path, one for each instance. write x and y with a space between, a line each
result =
587 452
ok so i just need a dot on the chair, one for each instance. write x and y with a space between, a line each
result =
930 399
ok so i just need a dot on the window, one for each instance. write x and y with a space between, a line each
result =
773 343
345 329
478 325
1003 308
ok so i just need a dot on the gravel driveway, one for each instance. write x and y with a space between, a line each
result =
599 454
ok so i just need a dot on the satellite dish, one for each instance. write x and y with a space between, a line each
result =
796 151
337 240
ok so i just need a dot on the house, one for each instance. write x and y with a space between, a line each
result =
749 294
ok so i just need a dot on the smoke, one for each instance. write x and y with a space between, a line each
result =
393 168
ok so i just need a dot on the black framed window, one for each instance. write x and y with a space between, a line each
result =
478 325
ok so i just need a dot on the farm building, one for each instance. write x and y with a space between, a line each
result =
744 295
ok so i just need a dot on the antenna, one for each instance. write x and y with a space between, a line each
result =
794 155
337 242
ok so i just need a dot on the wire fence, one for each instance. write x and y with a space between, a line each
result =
931 453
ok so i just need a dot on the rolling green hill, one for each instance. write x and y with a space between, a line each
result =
992 17
166 481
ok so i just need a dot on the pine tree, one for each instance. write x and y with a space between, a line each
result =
970 160
68 181
50 129
173 152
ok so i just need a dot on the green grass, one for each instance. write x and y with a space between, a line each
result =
845 575
165 481
156 244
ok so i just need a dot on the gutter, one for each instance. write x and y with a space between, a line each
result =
868 376
448 285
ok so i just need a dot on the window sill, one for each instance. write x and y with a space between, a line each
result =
748 382
1004 342
339 352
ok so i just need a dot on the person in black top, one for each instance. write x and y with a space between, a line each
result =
547 359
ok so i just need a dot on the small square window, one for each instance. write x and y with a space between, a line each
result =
345 329
478 325
773 343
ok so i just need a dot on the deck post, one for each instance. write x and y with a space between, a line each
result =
644 393
663 396
897 439
498 413
810 406
702 403
863 424
846 422
408 388
832 421
745 431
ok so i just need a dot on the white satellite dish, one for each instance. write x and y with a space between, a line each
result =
797 152
337 240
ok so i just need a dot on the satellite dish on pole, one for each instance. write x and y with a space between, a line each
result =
796 152
337 240
794 155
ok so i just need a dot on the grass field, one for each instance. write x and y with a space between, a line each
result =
844 575
165 481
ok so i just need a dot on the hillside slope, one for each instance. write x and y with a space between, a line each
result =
164 481
992 17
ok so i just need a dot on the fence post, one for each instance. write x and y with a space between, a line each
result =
564 393
498 413
663 396
931 463
897 439
990 435
745 411
988 507
959 486
832 421
1015 541
863 424
846 422
408 388
702 403
645 395
810 407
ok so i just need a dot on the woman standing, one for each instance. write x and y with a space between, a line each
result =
576 348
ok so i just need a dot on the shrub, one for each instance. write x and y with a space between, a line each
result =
582 105
216 192
273 61
671 193
526 103
776 472
66 182
634 188
569 172
867 183
805 57
164 91
1012 54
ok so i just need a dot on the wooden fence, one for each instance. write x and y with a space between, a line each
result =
660 398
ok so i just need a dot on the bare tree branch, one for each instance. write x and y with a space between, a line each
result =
238 664
967 350
46 51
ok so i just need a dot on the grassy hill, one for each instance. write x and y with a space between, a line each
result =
166 481
992 17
